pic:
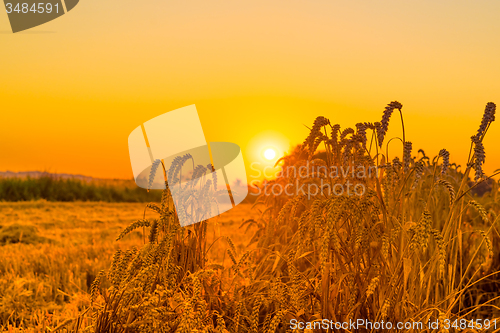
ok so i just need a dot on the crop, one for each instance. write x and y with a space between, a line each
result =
415 245
355 226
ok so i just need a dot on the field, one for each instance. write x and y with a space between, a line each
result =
345 232
52 251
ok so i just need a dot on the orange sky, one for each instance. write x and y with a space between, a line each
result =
73 89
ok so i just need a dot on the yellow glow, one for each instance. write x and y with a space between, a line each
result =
73 89
270 154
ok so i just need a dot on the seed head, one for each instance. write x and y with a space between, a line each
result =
396 163
315 133
385 120
152 174
488 117
334 134
361 127
479 156
406 156
419 171
446 160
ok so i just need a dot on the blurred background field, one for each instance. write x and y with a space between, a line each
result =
50 253
56 188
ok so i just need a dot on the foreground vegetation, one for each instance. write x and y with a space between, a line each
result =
416 246
49 255
51 252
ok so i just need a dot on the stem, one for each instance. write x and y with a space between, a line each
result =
379 189
387 147
371 141
402 124
433 184
329 155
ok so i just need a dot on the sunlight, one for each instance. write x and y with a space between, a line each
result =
270 154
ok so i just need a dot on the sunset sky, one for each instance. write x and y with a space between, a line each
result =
73 89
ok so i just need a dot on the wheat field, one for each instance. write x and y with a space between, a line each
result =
415 241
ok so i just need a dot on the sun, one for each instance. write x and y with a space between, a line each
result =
270 154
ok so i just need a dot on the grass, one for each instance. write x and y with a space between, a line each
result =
20 233
54 251
50 253
68 190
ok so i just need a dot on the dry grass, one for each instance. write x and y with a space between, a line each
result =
46 272
48 264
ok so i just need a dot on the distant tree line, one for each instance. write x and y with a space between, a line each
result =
57 189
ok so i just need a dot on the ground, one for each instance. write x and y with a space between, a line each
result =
50 252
